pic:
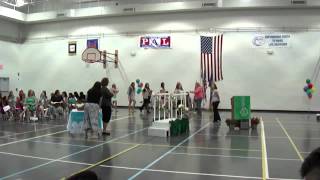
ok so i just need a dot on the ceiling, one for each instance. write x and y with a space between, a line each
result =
32 11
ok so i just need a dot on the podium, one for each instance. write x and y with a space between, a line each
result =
241 111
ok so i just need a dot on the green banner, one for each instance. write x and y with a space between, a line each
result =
241 108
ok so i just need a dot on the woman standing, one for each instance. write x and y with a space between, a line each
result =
91 110
105 104
178 90
131 98
215 100
146 94
114 91
198 96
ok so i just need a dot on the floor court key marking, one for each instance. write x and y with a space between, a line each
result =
292 143
78 152
27 139
168 152
102 161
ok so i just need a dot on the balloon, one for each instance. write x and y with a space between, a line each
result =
310 96
139 91
138 81
308 81
305 88
141 85
309 91
313 90
310 85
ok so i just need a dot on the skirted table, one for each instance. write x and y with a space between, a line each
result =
179 126
75 121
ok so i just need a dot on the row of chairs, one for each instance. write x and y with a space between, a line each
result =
26 114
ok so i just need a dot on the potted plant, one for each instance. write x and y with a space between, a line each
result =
254 122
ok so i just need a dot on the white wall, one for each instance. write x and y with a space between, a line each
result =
273 81
10 59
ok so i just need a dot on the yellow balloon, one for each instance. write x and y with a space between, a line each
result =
313 90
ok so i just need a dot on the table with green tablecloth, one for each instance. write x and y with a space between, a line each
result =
75 121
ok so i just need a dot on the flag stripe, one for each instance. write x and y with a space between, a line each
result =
211 58
218 59
208 65
201 66
221 41
215 62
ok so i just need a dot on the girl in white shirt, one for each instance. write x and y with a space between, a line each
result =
215 100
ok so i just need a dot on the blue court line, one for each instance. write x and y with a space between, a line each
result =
57 160
168 152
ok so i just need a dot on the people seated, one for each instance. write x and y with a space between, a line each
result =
43 105
57 104
71 102
30 105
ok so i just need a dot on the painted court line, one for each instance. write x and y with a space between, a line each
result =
39 123
292 143
62 144
225 156
57 143
127 168
105 160
224 135
78 139
28 139
168 152
264 155
56 160
27 132
138 169
189 147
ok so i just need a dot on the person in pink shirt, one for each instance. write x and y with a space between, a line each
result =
198 96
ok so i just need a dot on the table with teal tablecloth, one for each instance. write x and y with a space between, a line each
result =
75 121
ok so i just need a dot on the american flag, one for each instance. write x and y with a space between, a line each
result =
211 58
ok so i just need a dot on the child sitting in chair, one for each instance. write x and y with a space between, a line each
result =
30 105
71 102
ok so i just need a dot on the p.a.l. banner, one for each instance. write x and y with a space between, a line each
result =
92 43
155 42
273 40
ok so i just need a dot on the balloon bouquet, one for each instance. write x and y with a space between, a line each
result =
140 86
309 88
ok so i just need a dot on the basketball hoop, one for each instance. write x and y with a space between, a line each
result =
91 55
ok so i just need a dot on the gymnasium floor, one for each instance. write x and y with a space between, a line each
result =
207 152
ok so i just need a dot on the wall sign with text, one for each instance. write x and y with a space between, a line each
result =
155 42
271 40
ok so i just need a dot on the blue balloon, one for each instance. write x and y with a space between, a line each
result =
305 88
